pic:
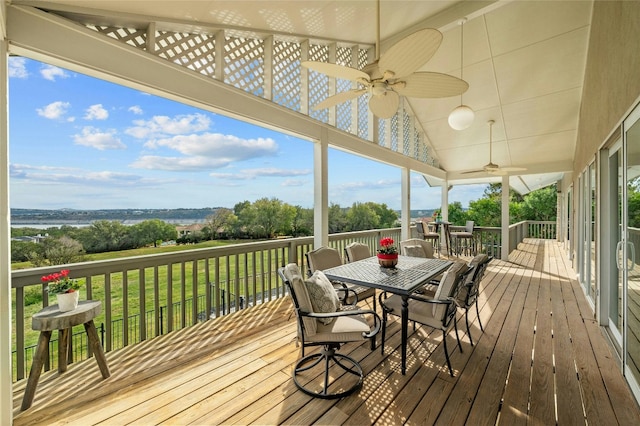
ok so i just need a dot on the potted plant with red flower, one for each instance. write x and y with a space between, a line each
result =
387 253
65 289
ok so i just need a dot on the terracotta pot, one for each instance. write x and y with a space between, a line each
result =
388 260
68 301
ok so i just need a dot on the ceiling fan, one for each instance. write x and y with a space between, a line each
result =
393 74
492 168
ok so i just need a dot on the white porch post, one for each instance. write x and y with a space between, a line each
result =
444 209
405 214
321 191
504 254
6 401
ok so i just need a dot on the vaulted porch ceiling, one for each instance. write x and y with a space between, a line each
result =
524 61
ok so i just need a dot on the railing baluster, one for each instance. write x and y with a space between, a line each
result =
125 308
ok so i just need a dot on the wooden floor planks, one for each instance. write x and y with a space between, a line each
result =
542 359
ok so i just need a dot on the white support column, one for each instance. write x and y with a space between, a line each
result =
219 59
444 212
268 68
504 254
354 85
400 132
444 209
372 124
333 111
560 213
304 78
6 397
151 38
405 213
321 190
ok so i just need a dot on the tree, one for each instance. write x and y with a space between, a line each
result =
221 220
485 212
457 215
152 231
302 223
105 235
388 218
21 251
540 205
63 250
337 219
362 216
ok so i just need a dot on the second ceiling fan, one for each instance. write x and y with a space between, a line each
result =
393 74
492 168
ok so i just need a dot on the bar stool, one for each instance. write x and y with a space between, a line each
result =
428 234
463 241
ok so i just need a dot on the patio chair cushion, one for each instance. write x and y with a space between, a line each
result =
414 251
446 286
323 295
292 272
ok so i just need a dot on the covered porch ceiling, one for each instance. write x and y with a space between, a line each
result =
524 62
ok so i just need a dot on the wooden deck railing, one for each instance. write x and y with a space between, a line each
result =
147 296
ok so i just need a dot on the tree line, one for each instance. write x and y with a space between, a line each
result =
263 219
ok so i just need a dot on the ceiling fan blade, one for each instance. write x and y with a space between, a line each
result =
338 71
471 171
385 105
339 98
498 172
410 53
513 169
431 85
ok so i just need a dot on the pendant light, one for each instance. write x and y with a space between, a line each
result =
461 117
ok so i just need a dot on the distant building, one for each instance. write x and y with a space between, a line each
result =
31 239
184 230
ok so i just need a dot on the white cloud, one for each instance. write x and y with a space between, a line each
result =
249 174
67 175
135 109
294 182
97 139
96 112
206 151
162 126
54 111
18 67
49 72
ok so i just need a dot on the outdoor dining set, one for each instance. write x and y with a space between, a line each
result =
340 301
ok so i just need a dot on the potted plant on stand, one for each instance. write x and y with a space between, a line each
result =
387 253
65 289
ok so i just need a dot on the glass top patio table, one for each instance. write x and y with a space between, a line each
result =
409 274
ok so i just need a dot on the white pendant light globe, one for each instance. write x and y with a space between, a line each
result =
461 117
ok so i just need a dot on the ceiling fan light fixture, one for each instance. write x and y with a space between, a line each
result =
461 118
378 88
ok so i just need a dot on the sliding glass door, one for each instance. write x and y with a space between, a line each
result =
630 248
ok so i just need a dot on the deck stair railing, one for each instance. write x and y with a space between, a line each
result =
162 288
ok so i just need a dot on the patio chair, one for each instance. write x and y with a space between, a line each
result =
416 247
438 312
426 232
322 323
463 241
468 294
356 251
326 257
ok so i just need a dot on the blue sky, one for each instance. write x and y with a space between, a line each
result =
83 143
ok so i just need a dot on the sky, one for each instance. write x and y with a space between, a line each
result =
82 143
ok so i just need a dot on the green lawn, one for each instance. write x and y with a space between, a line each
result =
126 292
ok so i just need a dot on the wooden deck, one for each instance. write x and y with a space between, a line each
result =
542 360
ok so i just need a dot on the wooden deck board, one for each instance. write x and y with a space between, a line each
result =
237 369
